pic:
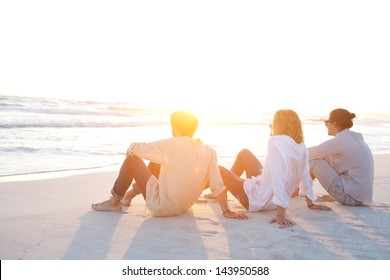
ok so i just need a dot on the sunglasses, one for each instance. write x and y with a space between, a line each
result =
326 122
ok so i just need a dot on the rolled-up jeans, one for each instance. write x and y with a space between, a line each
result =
331 182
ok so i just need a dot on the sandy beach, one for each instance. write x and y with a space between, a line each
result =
51 219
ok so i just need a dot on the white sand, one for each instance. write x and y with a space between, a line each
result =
51 219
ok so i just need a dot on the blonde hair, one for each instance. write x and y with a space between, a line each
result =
185 122
287 122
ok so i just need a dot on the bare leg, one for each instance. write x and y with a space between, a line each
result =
132 168
247 162
126 200
296 192
234 184
154 168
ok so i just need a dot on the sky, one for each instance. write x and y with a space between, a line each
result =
234 55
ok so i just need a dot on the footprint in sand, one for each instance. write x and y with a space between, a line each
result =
215 223
382 206
209 233
303 238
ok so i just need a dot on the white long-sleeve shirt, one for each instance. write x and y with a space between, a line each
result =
187 166
351 158
286 166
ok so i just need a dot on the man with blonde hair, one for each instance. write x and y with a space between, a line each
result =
186 166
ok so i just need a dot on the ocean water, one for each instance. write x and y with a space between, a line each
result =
43 135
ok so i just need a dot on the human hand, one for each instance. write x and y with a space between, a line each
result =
320 207
235 215
283 221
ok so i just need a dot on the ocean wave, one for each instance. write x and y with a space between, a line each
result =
60 170
89 128
48 106
28 112
18 149
60 151
79 124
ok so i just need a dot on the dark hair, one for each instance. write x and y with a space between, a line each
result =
185 122
287 122
342 117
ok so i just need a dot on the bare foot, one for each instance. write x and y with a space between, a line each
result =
296 192
325 198
126 200
209 196
108 205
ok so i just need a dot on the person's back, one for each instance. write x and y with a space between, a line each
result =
344 165
179 169
186 168
355 164
285 166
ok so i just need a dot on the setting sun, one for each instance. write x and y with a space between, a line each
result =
100 160
200 59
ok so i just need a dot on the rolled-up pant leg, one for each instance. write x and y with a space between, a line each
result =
331 182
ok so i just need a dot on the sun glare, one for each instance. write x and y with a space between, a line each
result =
232 58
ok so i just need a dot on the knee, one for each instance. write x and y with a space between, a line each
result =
132 159
244 153
128 158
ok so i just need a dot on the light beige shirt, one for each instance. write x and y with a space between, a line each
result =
187 166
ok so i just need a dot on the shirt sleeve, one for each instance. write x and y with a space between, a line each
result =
214 176
327 148
306 184
152 151
278 168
